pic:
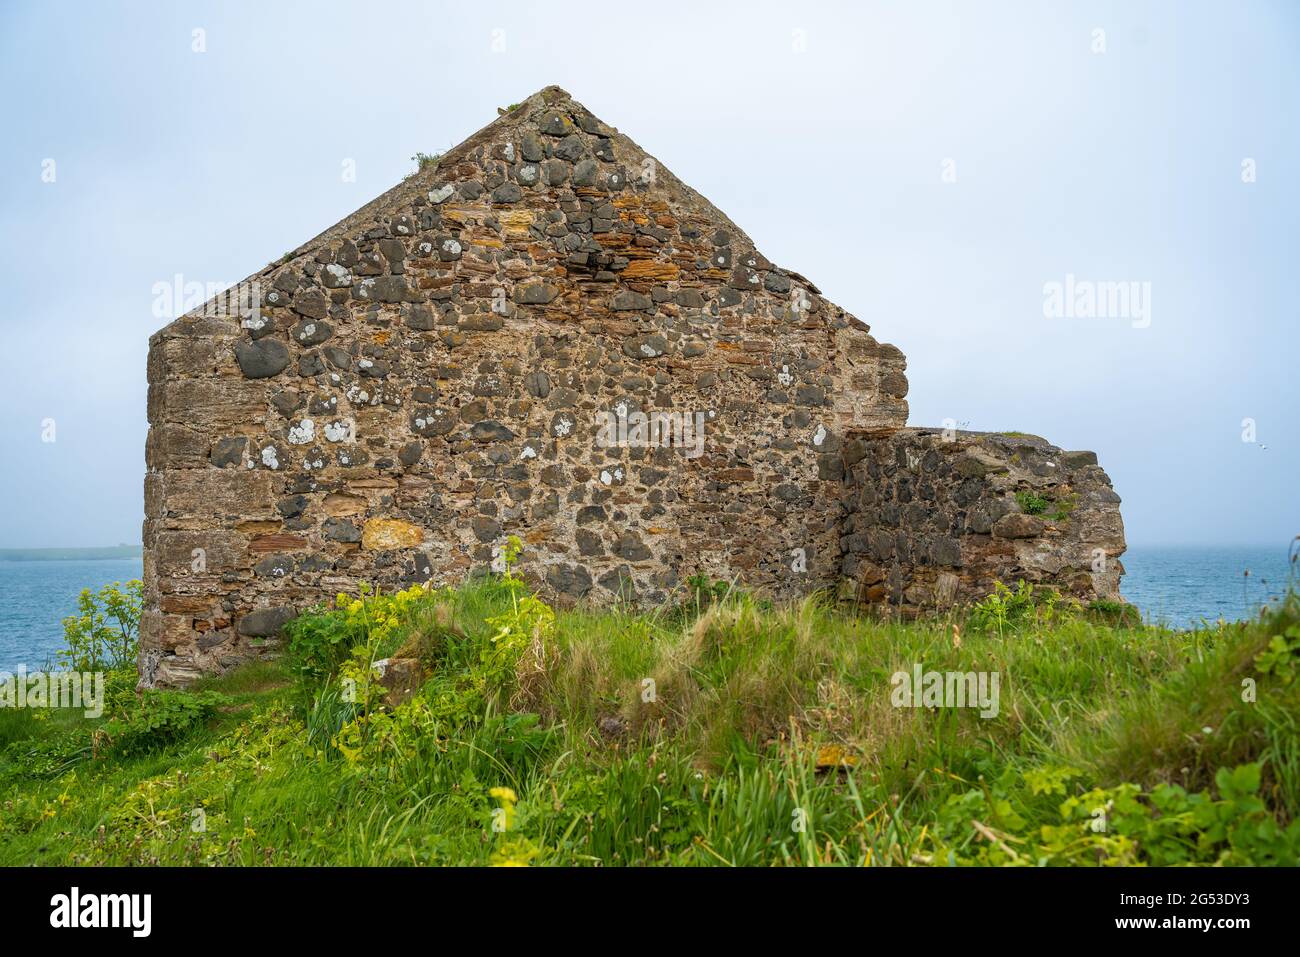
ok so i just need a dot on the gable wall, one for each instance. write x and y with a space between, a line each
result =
427 378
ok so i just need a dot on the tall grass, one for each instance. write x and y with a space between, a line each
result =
727 733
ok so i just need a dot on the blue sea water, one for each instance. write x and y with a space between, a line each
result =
1179 586
35 597
1185 586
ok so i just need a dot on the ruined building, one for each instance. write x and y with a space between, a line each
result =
547 334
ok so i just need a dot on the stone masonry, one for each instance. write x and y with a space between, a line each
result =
933 518
441 370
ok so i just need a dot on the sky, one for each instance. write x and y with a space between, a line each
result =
935 168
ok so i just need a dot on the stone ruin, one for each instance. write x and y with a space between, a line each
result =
547 334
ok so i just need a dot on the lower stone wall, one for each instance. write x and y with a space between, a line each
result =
912 519
934 517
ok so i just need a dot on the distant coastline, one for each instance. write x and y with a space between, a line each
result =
69 554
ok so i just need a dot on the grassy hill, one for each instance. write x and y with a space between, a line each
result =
723 732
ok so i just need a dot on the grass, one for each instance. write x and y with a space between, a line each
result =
1031 504
729 732
424 161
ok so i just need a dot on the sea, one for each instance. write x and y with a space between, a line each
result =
1182 587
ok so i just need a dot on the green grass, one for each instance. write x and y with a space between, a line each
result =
1031 504
424 161
707 735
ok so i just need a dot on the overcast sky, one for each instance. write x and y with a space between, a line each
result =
930 166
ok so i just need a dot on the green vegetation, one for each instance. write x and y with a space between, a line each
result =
158 719
1064 507
1114 612
1031 504
722 731
104 635
424 161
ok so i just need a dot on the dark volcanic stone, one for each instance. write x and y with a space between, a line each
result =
265 622
262 359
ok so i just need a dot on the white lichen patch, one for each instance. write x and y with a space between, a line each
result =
270 457
338 431
302 433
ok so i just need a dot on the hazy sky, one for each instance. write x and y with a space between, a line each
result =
930 166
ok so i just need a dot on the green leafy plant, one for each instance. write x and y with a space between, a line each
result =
1003 607
321 640
1122 825
1282 655
159 719
702 592
1030 503
105 633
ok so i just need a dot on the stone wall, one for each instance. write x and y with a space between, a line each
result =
428 377
933 518
441 369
